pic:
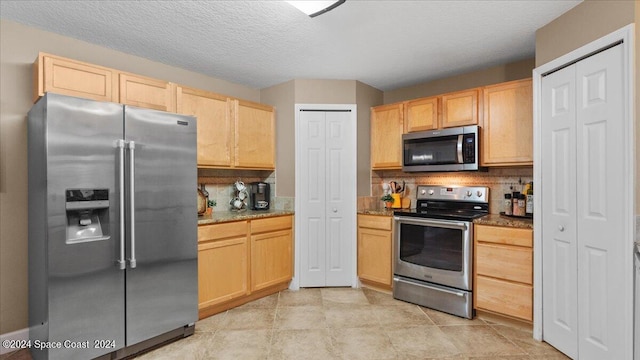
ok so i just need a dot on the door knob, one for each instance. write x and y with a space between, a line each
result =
561 228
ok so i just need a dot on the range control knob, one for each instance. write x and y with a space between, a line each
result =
431 192
479 193
469 193
423 192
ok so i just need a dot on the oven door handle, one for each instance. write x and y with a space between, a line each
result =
433 222
430 287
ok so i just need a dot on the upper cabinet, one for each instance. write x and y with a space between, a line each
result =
73 78
215 125
147 93
232 133
460 108
421 114
386 136
507 131
254 135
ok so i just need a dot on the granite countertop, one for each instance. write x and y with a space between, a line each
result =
499 220
382 212
228 216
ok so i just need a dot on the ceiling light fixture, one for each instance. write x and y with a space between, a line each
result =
315 8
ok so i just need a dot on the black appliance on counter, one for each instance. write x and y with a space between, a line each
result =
260 195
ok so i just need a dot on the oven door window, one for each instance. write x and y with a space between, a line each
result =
433 247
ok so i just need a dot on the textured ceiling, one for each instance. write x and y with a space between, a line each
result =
386 44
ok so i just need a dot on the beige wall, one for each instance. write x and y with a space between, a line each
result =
366 97
588 21
282 96
584 23
312 91
19 46
512 71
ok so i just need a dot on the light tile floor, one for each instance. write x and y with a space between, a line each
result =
344 323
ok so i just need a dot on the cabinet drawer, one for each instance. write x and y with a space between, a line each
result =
222 231
271 224
504 297
374 222
504 235
508 263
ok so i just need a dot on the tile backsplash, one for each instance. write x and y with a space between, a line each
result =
219 184
499 181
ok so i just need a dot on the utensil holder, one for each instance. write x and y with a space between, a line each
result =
397 201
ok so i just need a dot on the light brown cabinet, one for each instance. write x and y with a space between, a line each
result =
507 132
222 263
74 78
146 92
375 250
421 114
254 135
386 136
460 108
271 252
503 281
232 133
215 125
242 261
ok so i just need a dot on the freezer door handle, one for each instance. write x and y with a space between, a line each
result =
122 264
132 204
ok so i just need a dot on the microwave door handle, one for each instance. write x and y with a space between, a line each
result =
459 149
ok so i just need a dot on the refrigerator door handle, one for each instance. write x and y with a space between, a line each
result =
132 205
122 264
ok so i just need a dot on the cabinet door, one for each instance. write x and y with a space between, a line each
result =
511 263
374 255
421 114
222 271
271 261
147 93
215 131
504 297
460 108
254 135
73 78
507 130
386 136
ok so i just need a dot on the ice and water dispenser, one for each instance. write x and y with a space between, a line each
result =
87 215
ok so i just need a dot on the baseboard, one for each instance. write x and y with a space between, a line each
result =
22 334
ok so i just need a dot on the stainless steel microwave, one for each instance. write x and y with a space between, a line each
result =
454 149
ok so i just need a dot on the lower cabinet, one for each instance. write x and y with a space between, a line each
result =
242 261
503 281
271 252
375 250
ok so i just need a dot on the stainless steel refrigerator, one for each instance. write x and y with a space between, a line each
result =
112 227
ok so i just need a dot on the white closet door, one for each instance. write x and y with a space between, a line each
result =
340 214
600 216
328 199
560 270
313 206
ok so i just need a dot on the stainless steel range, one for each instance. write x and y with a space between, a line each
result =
434 248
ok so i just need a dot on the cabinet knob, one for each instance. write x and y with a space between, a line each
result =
561 228
334 210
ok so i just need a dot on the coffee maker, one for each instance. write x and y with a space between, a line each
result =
260 195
